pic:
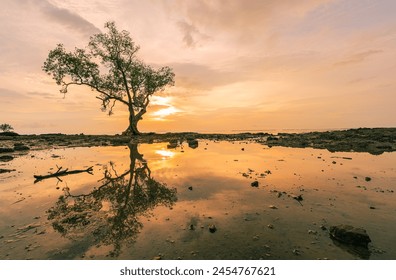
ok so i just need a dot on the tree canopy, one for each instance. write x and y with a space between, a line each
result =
109 66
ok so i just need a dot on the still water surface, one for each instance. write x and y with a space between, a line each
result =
149 201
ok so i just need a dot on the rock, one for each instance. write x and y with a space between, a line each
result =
273 207
6 158
255 184
350 235
368 179
6 170
6 150
212 228
20 147
193 144
190 188
270 226
191 227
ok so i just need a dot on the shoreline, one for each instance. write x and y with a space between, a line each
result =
371 140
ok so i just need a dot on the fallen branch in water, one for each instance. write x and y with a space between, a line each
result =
61 172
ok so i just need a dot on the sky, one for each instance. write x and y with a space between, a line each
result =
239 64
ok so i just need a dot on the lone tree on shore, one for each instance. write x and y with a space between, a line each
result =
109 66
6 127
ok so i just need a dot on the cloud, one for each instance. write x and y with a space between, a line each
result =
191 35
242 20
357 57
66 18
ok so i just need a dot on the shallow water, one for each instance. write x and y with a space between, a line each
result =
151 201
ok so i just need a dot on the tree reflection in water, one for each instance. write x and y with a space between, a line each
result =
110 213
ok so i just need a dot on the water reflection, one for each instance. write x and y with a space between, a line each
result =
109 214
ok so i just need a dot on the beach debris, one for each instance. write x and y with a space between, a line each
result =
212 228
61 172
255 184
350 235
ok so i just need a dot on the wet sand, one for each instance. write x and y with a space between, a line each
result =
220 197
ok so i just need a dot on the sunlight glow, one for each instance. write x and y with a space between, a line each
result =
165 153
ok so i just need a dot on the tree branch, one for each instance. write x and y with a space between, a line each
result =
60 173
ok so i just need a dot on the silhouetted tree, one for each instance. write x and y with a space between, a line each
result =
6 127
109 66
110 213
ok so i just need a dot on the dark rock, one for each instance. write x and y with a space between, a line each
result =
20 147
368 179
6 170
6 150
255 184
350 235
6 158
212 228
193 144
190 188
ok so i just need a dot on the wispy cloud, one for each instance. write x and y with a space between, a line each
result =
357 57
65 17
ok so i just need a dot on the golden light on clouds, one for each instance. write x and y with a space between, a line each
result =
242 66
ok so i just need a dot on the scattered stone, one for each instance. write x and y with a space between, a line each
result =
296 252
242 149
272 207
157 258
368 179
212 228
313 232
372 207
190 188
350 235
270 226
191 227
322 227
255 184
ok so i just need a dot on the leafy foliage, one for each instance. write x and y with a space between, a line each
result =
109 66
6 127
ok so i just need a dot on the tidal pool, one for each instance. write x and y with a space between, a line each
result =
152 201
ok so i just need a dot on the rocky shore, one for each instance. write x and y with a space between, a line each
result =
371 140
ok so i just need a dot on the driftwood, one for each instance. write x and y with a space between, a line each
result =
61 172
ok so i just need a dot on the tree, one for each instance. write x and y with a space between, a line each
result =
109 66
6 127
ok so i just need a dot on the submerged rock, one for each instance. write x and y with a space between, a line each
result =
350 235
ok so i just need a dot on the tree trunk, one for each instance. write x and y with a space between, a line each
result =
133 121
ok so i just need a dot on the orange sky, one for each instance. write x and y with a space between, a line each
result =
239 65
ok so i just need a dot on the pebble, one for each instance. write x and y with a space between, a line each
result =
212 228
273 207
